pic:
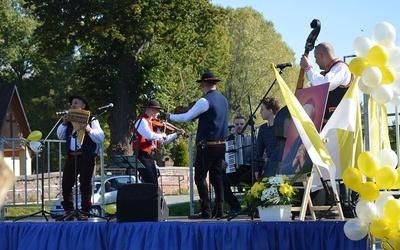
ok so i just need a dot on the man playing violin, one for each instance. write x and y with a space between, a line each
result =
212 131
148 136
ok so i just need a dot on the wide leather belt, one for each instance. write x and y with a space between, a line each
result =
217 142
79 152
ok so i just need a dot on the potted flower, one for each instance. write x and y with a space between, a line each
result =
273 196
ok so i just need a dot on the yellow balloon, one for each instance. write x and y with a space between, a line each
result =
379 228
378 55
352 178
369 191
111 208
391 211
34 136
386 177
388 74
357 65
368 163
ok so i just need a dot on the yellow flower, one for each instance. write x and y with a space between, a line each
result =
286 189
257 189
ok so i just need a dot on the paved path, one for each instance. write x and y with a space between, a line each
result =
174 199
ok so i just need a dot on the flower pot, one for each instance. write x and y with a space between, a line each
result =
275 213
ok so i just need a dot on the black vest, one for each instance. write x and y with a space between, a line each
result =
88 146
213 124
335 96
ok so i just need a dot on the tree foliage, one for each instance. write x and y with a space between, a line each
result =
254 44
113 43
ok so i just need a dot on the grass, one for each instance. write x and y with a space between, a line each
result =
179 209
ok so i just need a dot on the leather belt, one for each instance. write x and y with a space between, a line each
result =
79 152
147 153
217 142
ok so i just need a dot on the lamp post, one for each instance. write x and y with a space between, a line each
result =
349 56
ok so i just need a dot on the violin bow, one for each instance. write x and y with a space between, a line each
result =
310 43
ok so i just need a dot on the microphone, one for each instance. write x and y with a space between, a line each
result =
106 107
283 65
62 112
151 93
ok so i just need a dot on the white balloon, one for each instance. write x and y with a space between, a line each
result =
371 76
387 157
355 229
383 93
394 57
366 211
35 146
395 101
364 88
384 33
362 45
380 202
396 83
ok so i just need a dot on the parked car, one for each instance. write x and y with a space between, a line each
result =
111 184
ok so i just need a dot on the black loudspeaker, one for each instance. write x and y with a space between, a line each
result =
141 202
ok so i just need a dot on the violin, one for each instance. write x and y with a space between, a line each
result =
161 124
183 109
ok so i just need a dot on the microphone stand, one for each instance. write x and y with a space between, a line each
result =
43 212
78 212
250 122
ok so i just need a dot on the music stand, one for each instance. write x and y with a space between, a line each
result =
129 162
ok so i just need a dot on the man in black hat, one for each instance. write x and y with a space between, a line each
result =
85 155
148 136
212 131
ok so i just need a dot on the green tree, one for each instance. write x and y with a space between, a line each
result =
123 48
254 45
181 156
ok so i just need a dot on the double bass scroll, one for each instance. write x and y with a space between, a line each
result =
310 43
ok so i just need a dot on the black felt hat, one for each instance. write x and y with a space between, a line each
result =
208 77
83 99
154 104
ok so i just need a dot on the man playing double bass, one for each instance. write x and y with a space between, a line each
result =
338 75
335 72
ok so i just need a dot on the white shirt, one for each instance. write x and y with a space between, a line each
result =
148 134
338 75
199 107
96 134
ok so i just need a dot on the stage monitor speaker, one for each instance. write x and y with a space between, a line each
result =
141 202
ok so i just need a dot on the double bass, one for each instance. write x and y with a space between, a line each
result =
282 118
310 44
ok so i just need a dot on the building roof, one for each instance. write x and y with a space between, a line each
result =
11 108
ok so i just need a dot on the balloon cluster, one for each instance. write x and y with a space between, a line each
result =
377 212
378 64
34 143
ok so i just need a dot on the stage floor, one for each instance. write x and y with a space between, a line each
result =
175 233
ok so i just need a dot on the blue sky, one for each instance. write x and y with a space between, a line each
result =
341 21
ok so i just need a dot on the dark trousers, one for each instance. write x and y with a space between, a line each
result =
149 173
209 159
235 179
85 167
